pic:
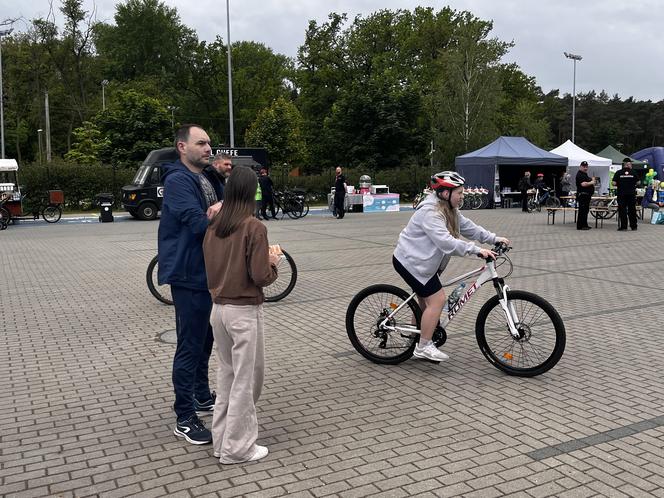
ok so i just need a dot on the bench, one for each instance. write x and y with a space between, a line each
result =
551 214
600 213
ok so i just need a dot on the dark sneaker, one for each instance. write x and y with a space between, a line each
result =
193 430
206 406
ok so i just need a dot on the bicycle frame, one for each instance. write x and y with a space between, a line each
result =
485 274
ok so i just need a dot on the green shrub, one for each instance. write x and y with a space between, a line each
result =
80 183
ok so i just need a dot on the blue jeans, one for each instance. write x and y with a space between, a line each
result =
194 345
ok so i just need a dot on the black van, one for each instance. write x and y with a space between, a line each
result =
143 198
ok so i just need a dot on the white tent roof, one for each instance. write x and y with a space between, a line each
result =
8 165
576 154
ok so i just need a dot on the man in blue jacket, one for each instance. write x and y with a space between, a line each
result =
190 201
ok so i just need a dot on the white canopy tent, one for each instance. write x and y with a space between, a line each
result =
597 166
8 165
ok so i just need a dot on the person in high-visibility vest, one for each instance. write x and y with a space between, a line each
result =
259 201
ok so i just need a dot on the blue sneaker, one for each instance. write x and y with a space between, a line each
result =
206 406
193 430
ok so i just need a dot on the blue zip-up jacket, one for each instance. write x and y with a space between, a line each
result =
182 228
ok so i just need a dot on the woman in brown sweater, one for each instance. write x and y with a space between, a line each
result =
238 265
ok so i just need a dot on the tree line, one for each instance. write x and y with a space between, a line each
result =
395 88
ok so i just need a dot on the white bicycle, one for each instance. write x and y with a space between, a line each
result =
519 332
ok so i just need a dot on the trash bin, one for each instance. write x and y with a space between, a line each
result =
105 201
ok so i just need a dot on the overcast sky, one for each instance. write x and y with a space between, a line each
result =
621 42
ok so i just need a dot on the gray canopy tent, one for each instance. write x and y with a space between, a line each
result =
502 162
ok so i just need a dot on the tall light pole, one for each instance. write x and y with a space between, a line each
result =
172 108
230 75
39 140
104 83
2 97
574 58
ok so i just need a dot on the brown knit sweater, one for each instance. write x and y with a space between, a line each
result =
237 266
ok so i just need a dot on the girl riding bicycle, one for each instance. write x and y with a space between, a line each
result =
426 245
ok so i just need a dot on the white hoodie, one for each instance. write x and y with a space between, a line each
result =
426 246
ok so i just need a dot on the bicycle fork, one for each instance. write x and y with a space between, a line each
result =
508 309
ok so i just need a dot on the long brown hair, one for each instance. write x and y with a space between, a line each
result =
450 214
239 201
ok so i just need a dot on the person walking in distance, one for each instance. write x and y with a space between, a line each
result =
190 201
218 172
239 264
267 189
524 186
625 182
585 187
339 193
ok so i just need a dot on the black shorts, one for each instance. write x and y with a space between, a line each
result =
422 290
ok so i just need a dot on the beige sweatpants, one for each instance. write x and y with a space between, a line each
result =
238 340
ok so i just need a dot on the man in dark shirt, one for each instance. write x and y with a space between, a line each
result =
625 183
339 193
190 201
585 187
524 185
267 189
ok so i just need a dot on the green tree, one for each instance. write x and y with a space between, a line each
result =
278 128
468 96
88 146
148 41
132 125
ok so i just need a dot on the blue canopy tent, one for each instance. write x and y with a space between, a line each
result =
503 162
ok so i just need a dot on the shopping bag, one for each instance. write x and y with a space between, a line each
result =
657 218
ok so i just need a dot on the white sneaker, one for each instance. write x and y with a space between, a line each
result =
430 352
259 452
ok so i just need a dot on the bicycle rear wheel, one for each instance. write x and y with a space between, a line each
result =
368 309
161 292
542 335
283 285
52 213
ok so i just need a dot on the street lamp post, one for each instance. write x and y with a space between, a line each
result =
172 108
230 75
39 141
104 83
2 97
574 58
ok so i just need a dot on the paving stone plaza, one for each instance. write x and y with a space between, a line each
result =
87 396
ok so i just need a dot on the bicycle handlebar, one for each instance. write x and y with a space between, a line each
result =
499 248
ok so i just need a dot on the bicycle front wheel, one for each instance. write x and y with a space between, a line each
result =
161 292
379 344
552 202
541 330
283 285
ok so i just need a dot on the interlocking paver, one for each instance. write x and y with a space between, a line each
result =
90 399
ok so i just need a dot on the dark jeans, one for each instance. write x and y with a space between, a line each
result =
339 206
192 354
627 208
268 201
524 200
583 203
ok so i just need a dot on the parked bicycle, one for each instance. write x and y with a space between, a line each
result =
277 290
293 203
519 332
611 205
421 196
475 198
547 199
